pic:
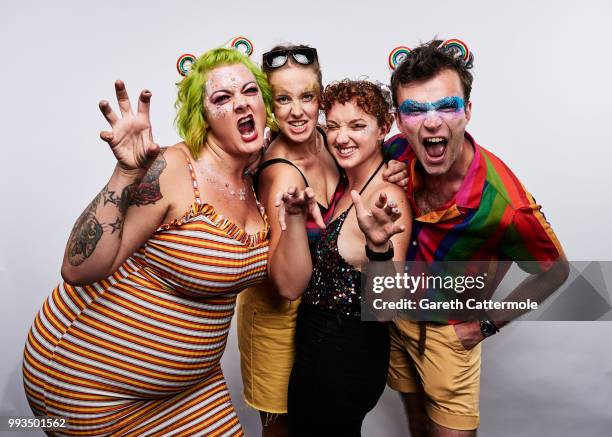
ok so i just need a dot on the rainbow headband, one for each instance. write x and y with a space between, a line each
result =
240 43
399 54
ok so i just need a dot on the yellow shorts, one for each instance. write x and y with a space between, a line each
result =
447 373
266 330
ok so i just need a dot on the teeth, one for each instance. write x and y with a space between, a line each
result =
435 140
297 123
346 150
245 119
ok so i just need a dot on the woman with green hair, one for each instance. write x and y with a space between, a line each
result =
131 342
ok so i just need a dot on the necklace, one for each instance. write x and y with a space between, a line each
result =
224 187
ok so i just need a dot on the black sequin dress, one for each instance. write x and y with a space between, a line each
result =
340 367
335 285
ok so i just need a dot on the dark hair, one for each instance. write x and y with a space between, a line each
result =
314 66
426 61
368 96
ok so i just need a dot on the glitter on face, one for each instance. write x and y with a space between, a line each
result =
218 80
296 102
223 80
230 96
218 112
446 107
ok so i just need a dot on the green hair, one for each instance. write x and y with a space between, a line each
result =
190 121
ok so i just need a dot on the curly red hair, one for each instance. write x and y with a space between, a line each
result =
371 98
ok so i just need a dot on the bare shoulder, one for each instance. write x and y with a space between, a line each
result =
276 149
279 176
279 173
175 162
176 156
392 191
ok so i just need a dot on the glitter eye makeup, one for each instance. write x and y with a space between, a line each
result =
446 105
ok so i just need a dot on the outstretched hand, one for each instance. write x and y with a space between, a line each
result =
297 202
131 138
378 224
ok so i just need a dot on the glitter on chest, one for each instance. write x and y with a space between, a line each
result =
334 285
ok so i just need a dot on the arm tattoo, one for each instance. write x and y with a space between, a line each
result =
88 230
117 226
86 233
145 192
148 191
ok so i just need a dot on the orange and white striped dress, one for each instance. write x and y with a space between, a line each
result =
139 353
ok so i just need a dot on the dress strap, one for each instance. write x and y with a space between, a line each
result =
194 181
367 183
273 161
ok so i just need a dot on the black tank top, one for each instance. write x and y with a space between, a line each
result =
335 285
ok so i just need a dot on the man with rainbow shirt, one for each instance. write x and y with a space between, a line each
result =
467 206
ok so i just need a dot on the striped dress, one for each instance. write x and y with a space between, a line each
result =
139 352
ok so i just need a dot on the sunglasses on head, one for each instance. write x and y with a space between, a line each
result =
278 58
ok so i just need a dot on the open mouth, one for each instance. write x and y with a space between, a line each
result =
298 127
435 148
246 127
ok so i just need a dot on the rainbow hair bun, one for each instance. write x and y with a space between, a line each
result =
242 44
458 47
184 63
397 56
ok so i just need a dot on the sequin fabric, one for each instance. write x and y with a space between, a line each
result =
335 285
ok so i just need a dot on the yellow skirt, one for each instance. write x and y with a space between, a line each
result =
266 330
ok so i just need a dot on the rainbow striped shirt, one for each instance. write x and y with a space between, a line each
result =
492 216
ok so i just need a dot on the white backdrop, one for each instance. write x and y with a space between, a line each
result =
541 101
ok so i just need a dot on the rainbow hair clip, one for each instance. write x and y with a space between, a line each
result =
397 56
240 43
458 47
184 63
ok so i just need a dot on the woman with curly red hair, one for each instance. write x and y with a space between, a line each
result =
341 362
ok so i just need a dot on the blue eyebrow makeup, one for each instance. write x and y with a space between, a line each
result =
444 105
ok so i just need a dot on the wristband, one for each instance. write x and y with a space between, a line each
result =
380 256
488 328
